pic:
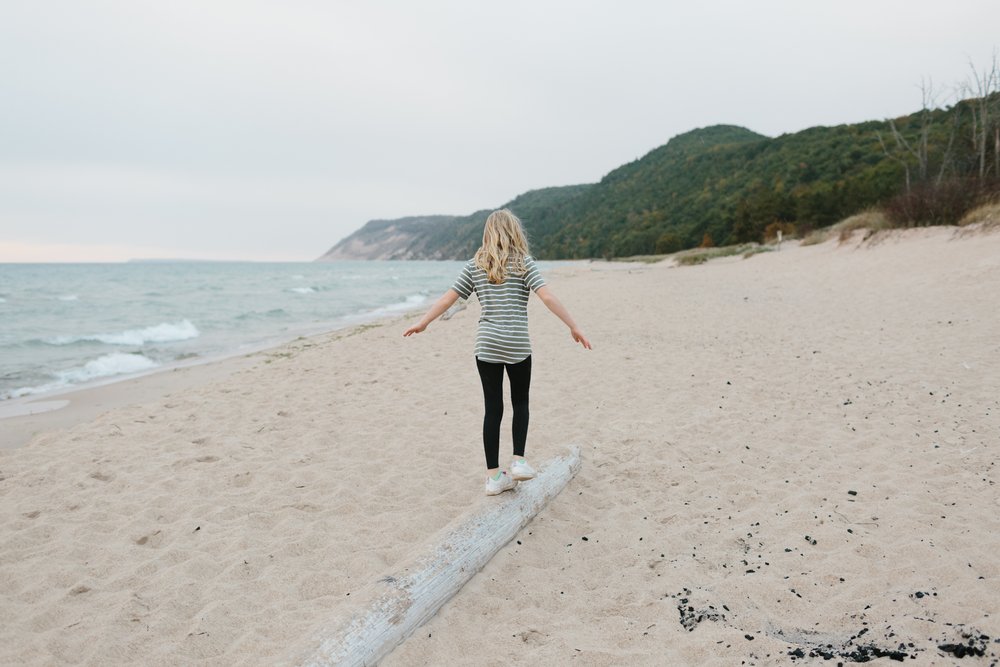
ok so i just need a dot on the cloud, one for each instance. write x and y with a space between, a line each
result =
263 126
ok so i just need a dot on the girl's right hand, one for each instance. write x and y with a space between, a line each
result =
580 338
416 328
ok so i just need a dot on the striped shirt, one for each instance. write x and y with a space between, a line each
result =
503 324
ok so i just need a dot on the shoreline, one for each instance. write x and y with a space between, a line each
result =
25 417
67 407
163 347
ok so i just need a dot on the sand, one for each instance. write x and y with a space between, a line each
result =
23 418
780 453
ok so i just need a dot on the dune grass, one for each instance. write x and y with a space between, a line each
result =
645 259
987 216
702 255
870 221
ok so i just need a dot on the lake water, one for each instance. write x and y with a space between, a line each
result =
64 325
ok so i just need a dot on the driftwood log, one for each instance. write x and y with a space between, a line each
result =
400 602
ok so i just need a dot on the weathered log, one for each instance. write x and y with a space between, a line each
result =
399 603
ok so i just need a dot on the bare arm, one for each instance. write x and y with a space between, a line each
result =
444 303
559 310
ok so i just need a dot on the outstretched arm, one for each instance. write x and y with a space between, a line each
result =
559 310
441 305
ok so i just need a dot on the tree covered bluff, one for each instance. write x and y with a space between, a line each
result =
726 184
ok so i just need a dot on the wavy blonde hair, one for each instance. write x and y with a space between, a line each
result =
503 241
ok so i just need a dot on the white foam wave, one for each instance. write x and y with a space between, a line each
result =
298 276
3 300
116 363
410 302
161 333
257 314
302 290
69 297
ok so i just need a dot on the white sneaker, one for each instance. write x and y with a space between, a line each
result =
495 486
520 469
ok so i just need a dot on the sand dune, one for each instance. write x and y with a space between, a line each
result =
779 454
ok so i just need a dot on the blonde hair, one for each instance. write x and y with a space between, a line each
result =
503 241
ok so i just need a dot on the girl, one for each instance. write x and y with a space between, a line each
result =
501 274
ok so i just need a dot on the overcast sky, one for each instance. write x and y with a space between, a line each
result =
270 130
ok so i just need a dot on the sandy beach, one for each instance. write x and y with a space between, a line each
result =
785 456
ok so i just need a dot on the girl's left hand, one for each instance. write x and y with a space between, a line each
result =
416 328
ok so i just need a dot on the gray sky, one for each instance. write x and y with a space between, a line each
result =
269 130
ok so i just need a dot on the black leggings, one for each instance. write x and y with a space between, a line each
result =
492 378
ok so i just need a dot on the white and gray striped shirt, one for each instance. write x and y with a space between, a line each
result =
503 324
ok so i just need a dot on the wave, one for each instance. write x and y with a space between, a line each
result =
3 300
256 314
410 302
116 363
69 297
161 333
302 290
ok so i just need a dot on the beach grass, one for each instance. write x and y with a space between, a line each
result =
702 255
987 215
871 221
645 259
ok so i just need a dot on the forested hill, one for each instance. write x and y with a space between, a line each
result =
720 184
728 183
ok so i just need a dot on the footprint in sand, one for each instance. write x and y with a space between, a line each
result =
242 479
101 476
208 458
307 507
533 637
154 539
